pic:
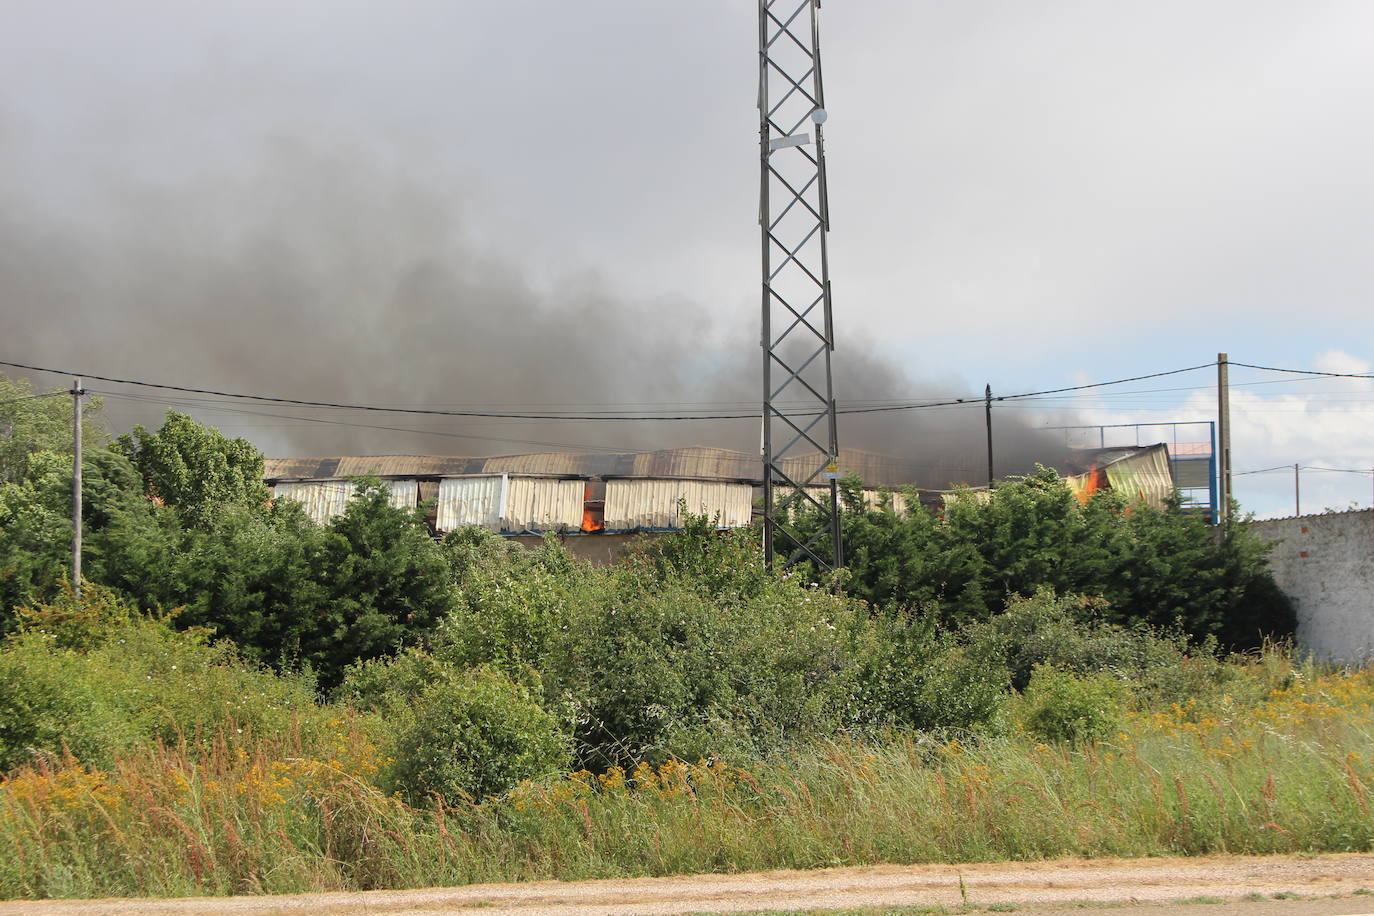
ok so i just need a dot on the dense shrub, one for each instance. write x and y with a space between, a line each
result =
1075 708
917 677
289 592
475 733
510 603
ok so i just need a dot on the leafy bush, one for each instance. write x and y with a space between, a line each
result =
473 734
1074 633
1074 708
670 673
510 603
915 677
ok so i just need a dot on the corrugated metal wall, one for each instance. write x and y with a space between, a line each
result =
470 501
510 505
325 499
535 505
873 499
653 504
1145 475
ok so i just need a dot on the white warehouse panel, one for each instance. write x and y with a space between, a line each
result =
322 499
465 501
325 499
653 504
534 505
405 494
873 499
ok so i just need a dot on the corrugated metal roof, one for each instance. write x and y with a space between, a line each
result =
551 463
701 462
1145 475
370 466
653 505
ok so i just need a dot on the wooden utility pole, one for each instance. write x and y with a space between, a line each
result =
987 408
77 392
1224 434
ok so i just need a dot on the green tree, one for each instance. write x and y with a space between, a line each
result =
1159 566
32 422
120 526
385 582
290 592
195 468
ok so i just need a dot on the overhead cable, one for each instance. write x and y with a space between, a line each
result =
582 417
33 397
1305 371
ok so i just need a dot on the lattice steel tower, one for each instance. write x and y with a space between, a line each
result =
800 443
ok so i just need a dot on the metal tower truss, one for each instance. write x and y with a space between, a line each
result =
800 443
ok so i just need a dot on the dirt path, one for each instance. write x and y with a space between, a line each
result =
1033 885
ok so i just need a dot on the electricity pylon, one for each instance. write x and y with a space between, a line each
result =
800 442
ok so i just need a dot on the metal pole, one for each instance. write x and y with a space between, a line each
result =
987 410
766 335
77 392
1297 491
1224 433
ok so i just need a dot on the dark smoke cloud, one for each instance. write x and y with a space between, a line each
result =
326 276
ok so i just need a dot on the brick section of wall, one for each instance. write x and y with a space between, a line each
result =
1325 564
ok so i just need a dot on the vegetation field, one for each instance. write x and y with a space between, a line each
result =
1279 760
244 701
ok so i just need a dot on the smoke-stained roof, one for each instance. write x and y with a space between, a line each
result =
700 462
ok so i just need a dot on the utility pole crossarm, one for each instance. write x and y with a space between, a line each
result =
800 440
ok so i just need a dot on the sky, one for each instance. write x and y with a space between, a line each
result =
518 203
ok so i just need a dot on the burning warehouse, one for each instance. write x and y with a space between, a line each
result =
627 493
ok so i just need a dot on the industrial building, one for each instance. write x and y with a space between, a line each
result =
615 495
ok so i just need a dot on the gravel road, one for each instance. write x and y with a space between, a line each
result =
1032 886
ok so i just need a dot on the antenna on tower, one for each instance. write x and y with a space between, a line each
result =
800 442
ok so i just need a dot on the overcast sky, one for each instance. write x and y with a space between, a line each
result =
348 199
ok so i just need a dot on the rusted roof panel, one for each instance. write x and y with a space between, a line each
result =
699 462
578 464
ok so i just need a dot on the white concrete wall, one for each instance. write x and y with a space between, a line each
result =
1325 564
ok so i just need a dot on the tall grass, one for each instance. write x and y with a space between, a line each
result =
1283 763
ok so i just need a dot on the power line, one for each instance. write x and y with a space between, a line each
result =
1306 371
1307 467
176 402
1281 467
33 397
607 415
